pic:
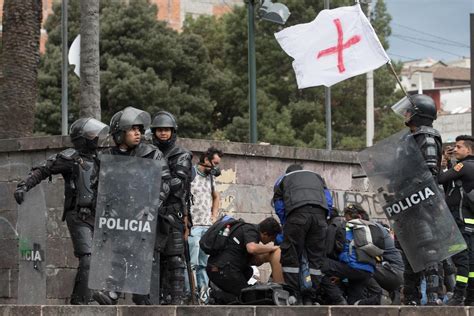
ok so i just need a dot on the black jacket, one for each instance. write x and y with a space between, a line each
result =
300 188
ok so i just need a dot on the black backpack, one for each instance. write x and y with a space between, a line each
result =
216 238
335 237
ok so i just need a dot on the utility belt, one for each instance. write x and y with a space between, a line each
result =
309 208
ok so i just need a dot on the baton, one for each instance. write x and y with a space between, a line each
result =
190 272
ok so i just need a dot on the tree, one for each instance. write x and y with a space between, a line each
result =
282 108
90 79
201 76
143 63
19 62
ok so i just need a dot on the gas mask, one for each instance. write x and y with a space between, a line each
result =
212 170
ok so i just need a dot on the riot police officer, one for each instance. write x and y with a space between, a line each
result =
164 134
127 128
420 111
79 168
458 181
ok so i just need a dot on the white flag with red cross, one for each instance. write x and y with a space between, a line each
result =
337 45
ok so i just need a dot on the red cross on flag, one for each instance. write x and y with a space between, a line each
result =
337 45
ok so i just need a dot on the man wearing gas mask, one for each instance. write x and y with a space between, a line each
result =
204 212
174 215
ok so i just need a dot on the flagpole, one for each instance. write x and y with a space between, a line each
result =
390 66
370 129
252 69
64 73
327 101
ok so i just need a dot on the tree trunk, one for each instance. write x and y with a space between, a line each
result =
19 65
90 83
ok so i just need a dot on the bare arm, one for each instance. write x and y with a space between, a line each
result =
215 205
258 249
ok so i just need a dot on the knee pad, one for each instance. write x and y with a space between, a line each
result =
176 262
85 262
81 239
175 243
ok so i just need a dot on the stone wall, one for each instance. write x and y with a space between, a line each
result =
234 310
248 174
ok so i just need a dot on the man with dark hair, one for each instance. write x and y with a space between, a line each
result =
300 195
248 245
204 212
458 182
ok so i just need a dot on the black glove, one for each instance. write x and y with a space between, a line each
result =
20 191
84 213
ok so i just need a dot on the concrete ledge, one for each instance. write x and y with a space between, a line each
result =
196 145
125 310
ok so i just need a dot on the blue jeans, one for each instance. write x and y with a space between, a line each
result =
198 257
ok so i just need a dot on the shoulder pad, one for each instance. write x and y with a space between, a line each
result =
68 154
177 150
427 130
144 149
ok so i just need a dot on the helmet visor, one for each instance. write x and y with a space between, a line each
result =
132 116
94 128
404 108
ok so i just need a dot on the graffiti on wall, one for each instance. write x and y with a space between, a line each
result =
368 200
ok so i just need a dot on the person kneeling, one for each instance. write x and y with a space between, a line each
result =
230 269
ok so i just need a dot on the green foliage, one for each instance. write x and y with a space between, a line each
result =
201 75
143 63
287 115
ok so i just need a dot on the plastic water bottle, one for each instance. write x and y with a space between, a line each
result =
226 231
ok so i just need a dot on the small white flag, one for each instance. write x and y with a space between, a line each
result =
337 45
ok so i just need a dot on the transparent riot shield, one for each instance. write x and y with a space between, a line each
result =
412 201
125 224
32 215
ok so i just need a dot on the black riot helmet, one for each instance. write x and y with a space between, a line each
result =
164 119
124 120
85 133
418 110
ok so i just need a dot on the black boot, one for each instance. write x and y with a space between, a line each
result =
81 294
139 299
105 297
458 298
469 301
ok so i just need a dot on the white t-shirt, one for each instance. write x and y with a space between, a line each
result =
201 190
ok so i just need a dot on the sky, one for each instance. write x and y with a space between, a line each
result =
429 28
